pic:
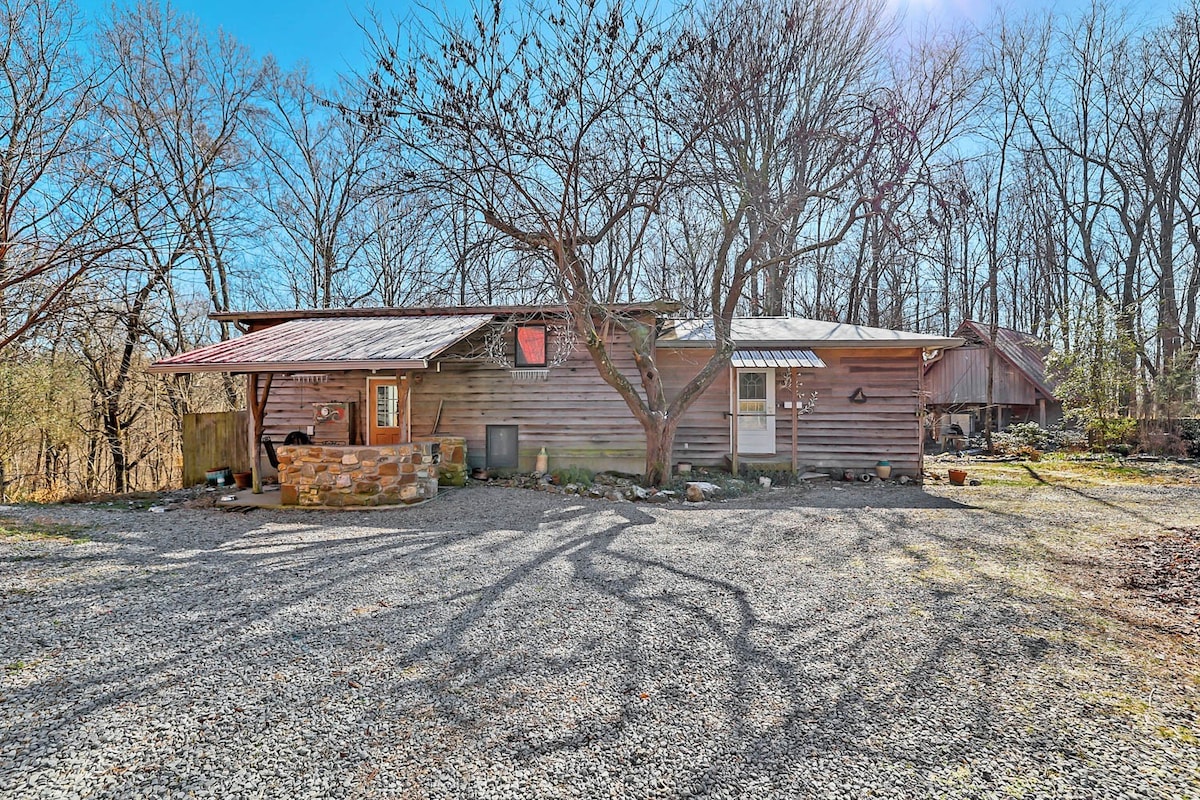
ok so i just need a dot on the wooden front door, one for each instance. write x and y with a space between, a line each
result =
387 401
755 405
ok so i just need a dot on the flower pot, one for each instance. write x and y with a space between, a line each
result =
883 470
683 467
958 476
243 479
218 476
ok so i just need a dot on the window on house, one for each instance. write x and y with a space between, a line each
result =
531 346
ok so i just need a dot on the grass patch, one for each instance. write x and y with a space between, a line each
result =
1070 471
41 531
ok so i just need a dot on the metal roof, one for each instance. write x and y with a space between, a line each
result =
332 343
657 307
1022 350
802 359
796 332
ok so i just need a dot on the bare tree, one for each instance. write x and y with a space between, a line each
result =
794 93
548 128
319 173
51 231
175 118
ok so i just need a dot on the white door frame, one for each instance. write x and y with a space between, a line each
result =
755 417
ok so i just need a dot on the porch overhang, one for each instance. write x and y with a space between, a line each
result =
332 344
785 359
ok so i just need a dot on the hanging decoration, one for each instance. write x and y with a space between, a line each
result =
805 404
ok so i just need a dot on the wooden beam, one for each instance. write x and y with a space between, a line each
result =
258 414
733 436
795 420
404 404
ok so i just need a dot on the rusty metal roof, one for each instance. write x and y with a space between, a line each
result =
796 332
272 316
1024 351
332 343
802 359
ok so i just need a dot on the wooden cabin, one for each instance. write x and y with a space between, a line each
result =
956 383
509 381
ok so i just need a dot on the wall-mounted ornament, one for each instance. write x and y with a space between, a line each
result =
857 396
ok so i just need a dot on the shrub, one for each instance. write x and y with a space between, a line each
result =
1117 434
580 476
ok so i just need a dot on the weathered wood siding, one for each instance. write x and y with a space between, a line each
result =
290 405
581 420
960 376
575 415
703 433
214 440
838 434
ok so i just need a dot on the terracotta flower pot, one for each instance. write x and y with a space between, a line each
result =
243 479
958 476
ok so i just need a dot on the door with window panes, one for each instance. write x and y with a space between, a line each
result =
386 410
756 411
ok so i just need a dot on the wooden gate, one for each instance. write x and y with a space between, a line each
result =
212 440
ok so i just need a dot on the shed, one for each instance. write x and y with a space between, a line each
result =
1022 391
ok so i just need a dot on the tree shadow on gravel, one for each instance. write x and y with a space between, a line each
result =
556 647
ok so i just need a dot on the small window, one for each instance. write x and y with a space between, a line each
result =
531 346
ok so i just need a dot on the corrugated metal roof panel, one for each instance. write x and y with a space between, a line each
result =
797 332
331 343
762 359
1022 350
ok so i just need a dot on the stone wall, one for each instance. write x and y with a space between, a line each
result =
311 475
452 468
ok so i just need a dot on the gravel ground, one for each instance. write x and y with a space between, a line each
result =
840 642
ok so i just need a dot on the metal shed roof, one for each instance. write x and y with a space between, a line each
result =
332 343
796 332
1023 350
802 359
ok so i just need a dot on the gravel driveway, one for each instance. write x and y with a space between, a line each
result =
840 642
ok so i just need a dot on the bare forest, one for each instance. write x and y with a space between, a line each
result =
766 157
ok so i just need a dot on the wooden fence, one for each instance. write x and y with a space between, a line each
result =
213 440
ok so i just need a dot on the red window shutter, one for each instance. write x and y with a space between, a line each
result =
531 346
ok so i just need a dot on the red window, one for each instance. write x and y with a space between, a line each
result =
531 346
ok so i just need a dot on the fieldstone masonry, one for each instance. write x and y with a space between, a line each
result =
356 476
312 475
452 468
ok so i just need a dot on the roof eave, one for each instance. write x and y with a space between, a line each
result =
814 344
287 366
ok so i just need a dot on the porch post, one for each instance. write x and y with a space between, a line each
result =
403 406
258 412
1042 412
795 419
733 416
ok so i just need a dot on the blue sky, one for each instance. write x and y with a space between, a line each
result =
326 33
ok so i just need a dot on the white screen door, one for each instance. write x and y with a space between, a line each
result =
756 411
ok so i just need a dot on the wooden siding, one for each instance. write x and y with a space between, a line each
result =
838 434
290 405
214 440
960 376
703 433
580 420
575 415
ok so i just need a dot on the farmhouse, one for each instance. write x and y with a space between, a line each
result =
396 389
957 383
